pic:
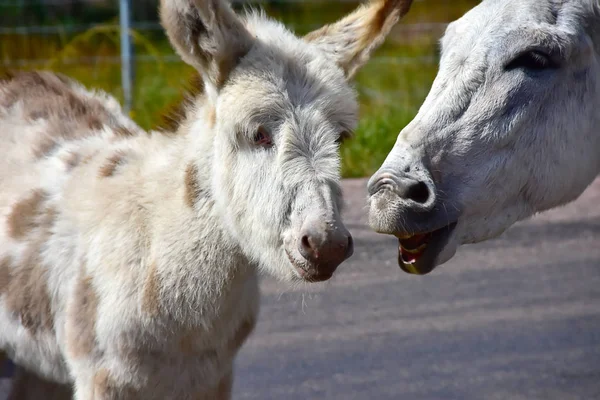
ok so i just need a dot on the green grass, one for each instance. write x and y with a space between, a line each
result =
391 87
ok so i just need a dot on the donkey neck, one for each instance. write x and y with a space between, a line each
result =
196 256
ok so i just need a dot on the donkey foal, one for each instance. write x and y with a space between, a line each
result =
128 265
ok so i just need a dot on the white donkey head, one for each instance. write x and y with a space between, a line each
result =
275 110
510 128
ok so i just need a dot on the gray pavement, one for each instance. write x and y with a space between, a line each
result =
513 318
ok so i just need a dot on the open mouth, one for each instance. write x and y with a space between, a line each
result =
417 253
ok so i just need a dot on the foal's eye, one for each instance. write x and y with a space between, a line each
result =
262 137
532 60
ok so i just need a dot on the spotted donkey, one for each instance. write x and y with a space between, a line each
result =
129 260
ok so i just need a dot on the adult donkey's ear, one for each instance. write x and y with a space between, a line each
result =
352 40
207 34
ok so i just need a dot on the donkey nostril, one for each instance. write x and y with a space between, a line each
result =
418 192
306 247
305 242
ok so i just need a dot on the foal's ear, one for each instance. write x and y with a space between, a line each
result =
207 34
352 40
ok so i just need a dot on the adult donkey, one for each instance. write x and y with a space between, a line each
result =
509 129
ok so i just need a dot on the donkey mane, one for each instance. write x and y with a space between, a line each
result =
176 112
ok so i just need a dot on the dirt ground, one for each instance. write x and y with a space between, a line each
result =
513 318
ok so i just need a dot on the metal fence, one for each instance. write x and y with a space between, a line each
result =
68 18
126 52
64 17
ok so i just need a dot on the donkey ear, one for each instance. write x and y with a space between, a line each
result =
207 34
352 40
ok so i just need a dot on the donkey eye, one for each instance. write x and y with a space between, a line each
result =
262 137
532 60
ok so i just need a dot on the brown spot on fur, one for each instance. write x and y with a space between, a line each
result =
242 333
134 349
49 217
123 131
38 114
4 275
106 387
81 335
192 186
151 291
112 163
190 344
23 217
94 123
89 157
76 105
27 293
71 160
44 147
27 296
70 112
37 85
101 384
7 100
212 117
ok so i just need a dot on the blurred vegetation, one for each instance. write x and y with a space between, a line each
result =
391 87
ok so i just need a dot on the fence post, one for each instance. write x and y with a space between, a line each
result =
126 54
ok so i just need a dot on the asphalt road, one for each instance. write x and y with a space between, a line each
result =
513 318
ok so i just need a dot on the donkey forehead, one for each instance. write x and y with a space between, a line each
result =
308 70
514 13
276 83
494 22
